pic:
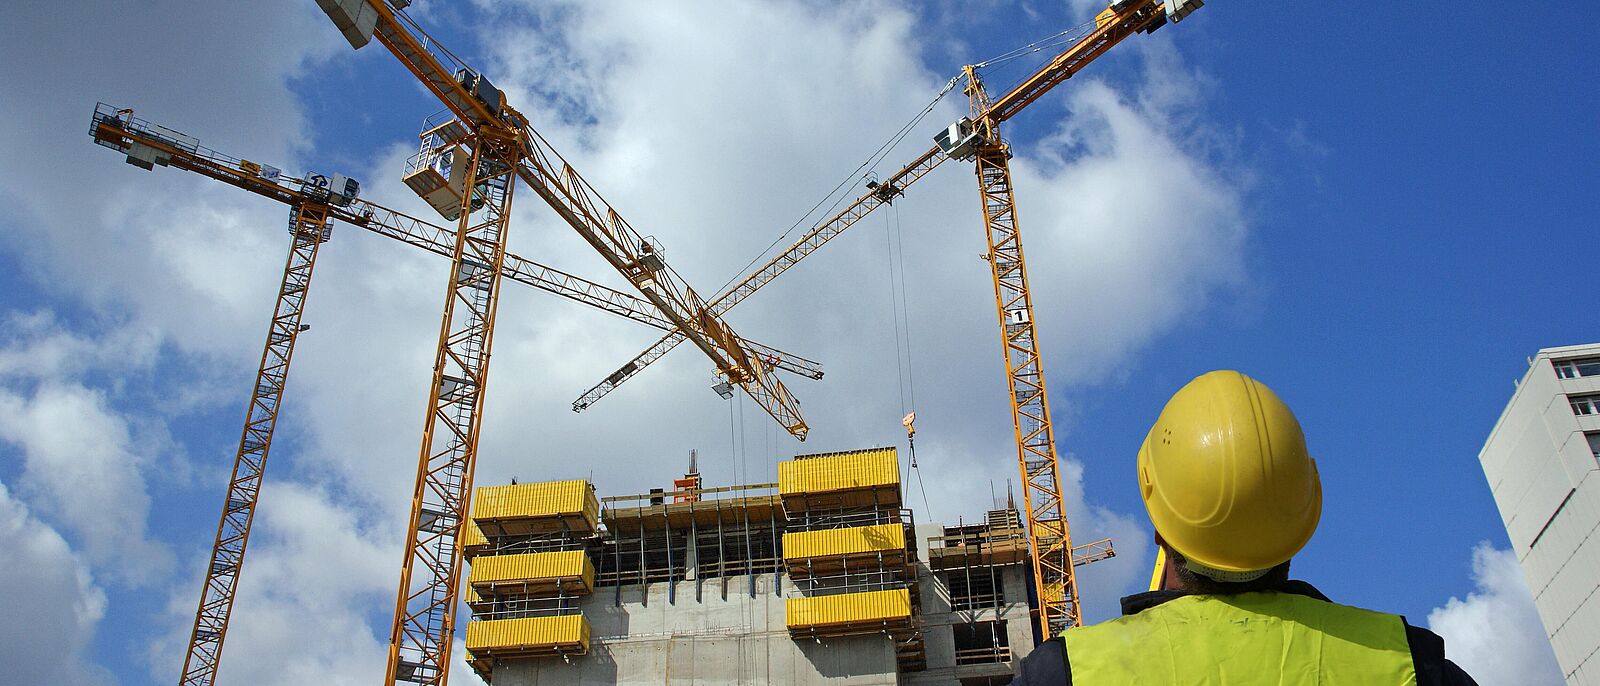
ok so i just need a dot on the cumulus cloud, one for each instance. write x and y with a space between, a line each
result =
52 604
1139 232
1495 633
177 254
80 464
317 574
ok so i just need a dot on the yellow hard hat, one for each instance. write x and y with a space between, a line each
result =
1226 478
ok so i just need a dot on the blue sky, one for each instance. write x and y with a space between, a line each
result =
1375 209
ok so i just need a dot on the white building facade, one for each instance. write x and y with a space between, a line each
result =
1542 461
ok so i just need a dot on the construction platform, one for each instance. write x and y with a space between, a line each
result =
816 579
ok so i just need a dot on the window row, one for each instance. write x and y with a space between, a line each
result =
1577 367
1585 404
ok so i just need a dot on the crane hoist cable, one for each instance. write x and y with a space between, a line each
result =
733 445
744 454
1069 35
905 307
866 167
870 165
905 375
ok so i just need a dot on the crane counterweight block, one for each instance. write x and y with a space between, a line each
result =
355 19
1178 9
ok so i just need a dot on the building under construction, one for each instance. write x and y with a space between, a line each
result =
822 577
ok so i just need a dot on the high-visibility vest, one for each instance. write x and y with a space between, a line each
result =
1248 639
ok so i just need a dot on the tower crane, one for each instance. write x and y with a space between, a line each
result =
313 208
977 138
467 168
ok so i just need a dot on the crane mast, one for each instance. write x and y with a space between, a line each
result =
310 214
424 622
1048 535
308 227
503 147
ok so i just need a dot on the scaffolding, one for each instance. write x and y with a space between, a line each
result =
833 525
527 544
685 536
849 549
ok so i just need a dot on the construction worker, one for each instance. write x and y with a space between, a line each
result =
1233 495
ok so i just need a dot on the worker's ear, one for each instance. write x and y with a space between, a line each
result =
1160 541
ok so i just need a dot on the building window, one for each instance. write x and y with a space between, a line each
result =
975 589
981 643
1585 404
1594 443
1577 367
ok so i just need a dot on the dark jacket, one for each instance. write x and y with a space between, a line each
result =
1048 664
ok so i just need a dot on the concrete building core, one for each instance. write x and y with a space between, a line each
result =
1543 463
821 578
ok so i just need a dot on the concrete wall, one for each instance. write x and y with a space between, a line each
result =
1546 483
661 634
938 620
712 631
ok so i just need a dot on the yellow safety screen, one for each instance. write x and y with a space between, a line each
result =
472 539
848 609
528 635
839 472
572 567
842 542
564 499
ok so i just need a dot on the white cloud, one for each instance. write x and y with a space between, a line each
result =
81 463
1495 634
34 346
1131 233
52 605
178 253
316 576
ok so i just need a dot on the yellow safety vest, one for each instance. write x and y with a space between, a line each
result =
1247 639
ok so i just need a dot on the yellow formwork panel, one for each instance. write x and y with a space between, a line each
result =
483 667
472 540
570 567
859 469
849 609
842 542
524 506
529 636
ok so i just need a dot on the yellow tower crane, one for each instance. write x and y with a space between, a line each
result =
977 137
313 208
467 168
